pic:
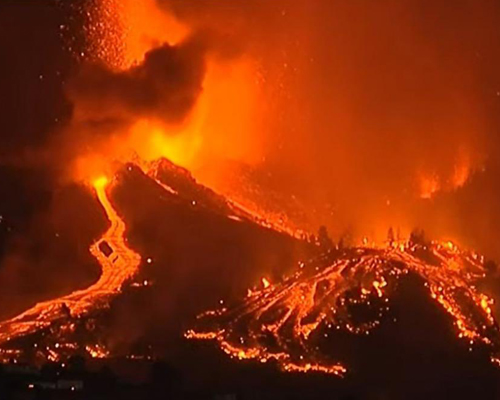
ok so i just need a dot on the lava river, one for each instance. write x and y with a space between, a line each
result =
349 290
118 264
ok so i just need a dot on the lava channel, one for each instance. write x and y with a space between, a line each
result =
349 290
117 266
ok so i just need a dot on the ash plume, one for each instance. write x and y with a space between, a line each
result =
371 116
165 85
72 107
374 112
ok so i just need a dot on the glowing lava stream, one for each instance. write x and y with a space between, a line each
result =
349 290
117 268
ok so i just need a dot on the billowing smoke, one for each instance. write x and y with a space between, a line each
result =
69 109
377 114
166 86
362 107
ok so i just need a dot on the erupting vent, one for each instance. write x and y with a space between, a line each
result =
58 328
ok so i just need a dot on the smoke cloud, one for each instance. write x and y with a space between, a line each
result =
361 106
377 114
54 110
166 86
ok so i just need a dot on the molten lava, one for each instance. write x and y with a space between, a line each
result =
283 321
349 290
118 264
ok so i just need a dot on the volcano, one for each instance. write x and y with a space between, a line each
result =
201 233
174 248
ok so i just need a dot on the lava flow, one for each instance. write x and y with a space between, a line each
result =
349 290
118 264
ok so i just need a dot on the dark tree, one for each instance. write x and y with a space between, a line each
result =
77 364
324 239
163 379
390 235
491 266
417 236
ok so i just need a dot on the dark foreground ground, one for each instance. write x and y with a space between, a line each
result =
417 357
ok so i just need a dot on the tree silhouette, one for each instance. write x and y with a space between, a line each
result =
390 235
324 240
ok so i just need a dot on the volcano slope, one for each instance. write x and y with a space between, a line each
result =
410 319
204 246
413 348
198 250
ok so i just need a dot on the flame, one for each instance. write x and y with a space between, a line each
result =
224 114
97 351
146 26
265 283
461 174
429 185
223 125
